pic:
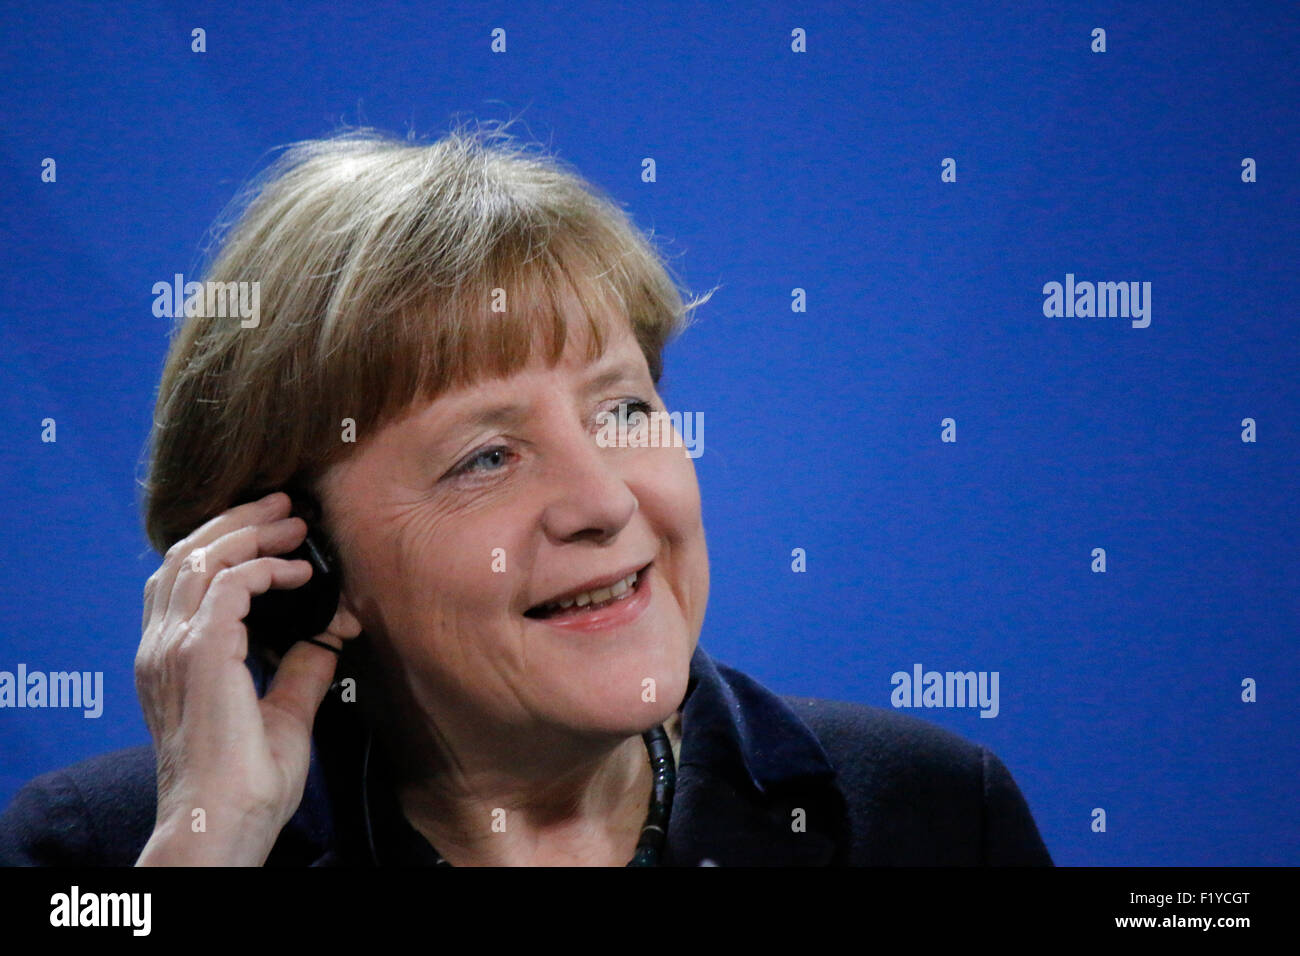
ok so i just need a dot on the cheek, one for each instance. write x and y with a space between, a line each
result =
670 492
677 513
460 568
429 573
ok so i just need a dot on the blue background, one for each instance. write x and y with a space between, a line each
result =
777 170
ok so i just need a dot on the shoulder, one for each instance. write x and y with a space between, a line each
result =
98 812
866 740
919 794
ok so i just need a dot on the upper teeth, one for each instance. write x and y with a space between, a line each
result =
598 595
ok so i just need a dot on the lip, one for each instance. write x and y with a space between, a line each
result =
594 584
616 614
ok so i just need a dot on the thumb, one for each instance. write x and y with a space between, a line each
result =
300 684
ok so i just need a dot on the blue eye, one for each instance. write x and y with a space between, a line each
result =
492 458
497 457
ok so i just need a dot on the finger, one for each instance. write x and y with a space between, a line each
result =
300 684
273 506
196 674
217 630
231 549
214 637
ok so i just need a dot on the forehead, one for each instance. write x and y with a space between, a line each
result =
577 370
581 362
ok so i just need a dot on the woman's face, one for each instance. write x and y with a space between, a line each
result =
454 521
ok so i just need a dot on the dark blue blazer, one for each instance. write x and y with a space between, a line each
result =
875 787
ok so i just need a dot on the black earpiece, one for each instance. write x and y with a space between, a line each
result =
280 618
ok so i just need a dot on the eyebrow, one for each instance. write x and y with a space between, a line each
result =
511 413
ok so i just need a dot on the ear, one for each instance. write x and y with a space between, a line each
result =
312 493
345 625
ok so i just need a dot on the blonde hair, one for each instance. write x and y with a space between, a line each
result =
378 262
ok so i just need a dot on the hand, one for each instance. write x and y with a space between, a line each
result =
241 760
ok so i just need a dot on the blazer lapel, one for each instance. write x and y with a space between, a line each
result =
755 787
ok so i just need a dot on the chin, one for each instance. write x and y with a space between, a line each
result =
599 666
611 699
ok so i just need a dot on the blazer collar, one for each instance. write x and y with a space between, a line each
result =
754 787
736 717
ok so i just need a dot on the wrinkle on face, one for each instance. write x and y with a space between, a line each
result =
417 550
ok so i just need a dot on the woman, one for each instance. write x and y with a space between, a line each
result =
512 673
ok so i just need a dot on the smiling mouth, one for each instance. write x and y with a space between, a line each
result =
591 600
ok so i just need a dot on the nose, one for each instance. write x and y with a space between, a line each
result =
590 499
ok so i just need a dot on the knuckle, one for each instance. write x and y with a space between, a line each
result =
180 643
178 550
148 662
188 649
